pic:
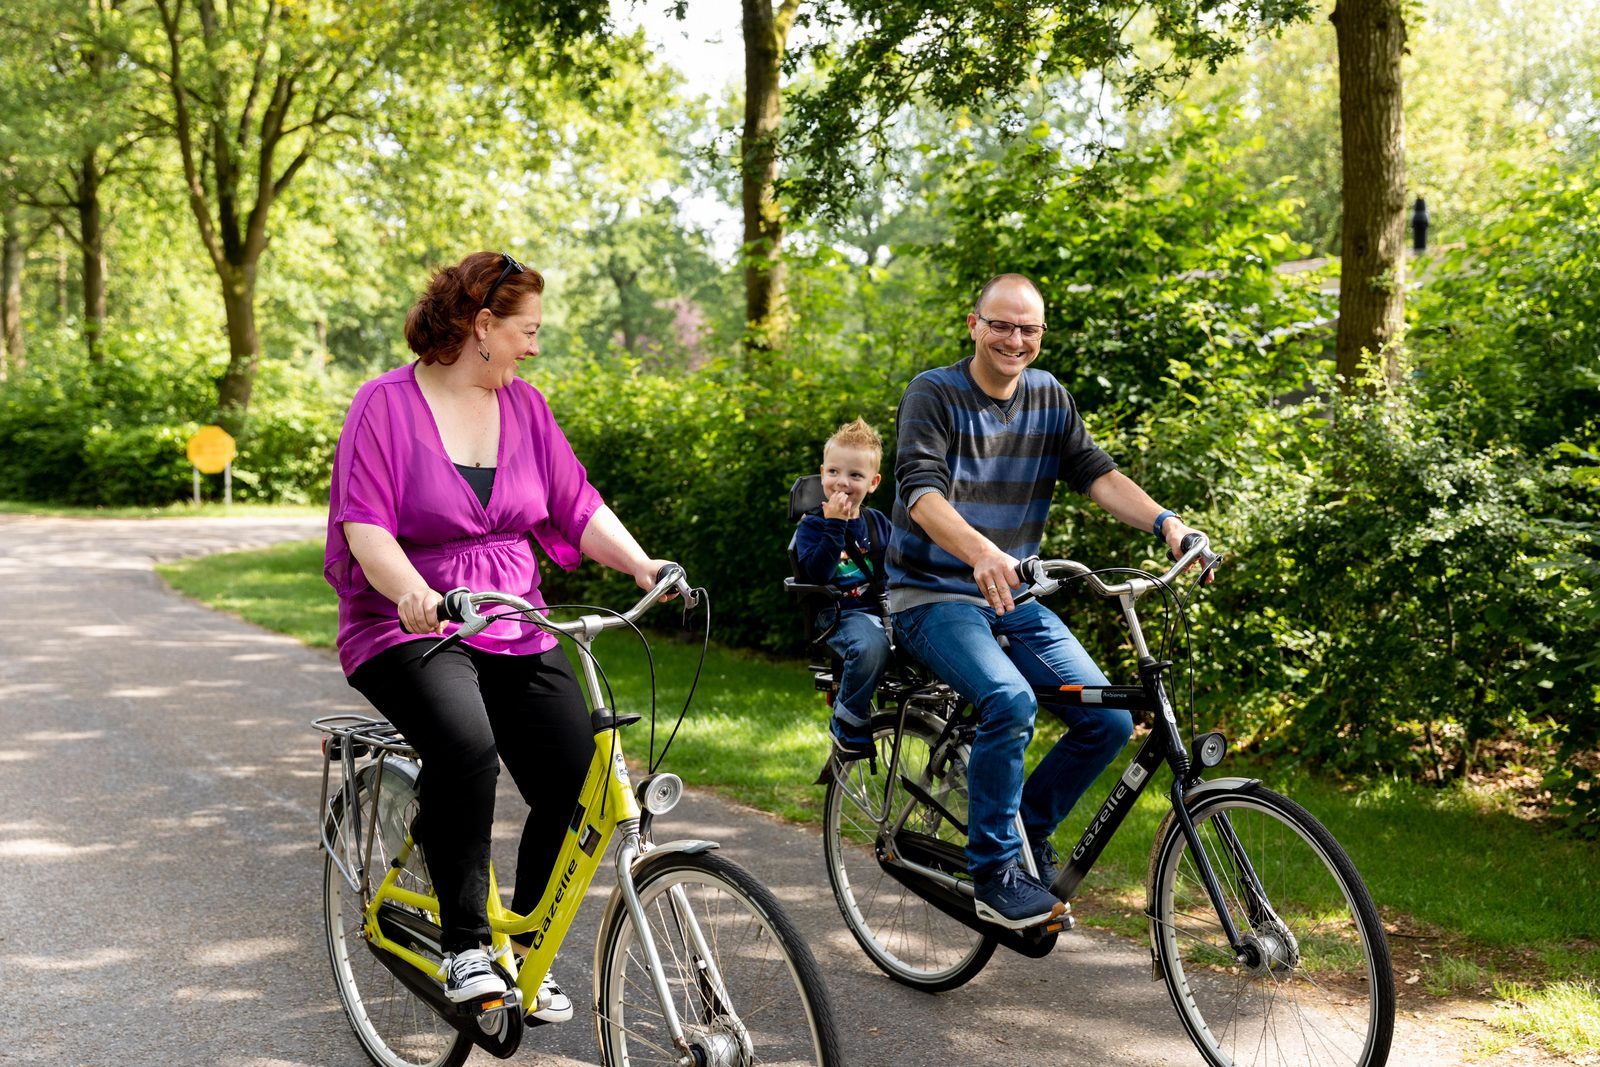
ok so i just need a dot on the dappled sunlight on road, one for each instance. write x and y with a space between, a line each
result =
242 951
55 736
39 848
94 959
214 994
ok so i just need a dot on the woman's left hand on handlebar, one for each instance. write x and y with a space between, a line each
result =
645 575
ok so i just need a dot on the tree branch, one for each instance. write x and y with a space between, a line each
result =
183 126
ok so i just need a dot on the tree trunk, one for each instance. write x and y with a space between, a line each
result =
92 242
12 354
244 347
766 34
321 358
61 274
1371 38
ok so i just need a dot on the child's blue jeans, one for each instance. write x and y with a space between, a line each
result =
861 642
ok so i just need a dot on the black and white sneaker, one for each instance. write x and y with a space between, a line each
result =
468 975
554 1005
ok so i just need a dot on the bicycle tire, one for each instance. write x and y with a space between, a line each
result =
905 936
1322 987
395 1027
782 1014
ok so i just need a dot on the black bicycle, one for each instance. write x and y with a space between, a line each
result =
1260 926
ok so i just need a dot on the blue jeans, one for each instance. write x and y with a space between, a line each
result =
956 640
861 642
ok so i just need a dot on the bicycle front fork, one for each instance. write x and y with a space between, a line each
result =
712 985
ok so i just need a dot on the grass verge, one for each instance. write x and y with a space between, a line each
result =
208 509
1479 901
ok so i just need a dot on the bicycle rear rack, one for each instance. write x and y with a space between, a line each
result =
351 738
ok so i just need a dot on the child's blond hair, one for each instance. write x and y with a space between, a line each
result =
857 434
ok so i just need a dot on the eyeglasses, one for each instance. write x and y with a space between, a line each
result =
511 267
1006 329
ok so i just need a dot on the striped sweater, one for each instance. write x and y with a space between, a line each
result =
997 468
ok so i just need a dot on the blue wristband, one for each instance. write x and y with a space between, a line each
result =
1161 520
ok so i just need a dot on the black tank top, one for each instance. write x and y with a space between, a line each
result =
481 479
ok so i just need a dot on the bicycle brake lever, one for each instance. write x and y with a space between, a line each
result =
439 646
456 606
1031 571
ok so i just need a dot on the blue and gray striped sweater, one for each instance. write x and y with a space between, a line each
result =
998 469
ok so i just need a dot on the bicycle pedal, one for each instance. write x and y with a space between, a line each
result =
1058 925
511 1000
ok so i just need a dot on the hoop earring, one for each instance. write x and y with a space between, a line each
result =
484 353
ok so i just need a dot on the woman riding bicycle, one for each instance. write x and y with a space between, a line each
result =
448 471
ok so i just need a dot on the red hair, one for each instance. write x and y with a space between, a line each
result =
439 323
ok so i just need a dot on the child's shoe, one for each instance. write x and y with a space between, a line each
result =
850 742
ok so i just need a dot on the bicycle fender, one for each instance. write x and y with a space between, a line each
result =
689 845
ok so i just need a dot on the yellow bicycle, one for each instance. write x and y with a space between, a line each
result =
696 964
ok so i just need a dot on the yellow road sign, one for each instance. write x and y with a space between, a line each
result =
211 449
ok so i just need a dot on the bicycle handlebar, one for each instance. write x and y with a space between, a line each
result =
461 604
1044 576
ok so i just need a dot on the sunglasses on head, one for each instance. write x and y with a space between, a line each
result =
511 267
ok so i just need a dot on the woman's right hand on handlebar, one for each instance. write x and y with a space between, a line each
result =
419 611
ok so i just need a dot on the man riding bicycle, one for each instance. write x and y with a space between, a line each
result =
981 445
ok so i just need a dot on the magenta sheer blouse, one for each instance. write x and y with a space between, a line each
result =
391 470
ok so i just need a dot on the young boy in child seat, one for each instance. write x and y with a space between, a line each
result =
842 544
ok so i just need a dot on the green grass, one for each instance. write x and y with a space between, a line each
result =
1495 897
281 588
1562 1016
1457 976
207 509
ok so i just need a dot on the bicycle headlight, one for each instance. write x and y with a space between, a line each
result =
660 793
1209 749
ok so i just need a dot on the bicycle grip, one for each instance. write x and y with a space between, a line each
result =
449 609
1031 570
453 607
1185 545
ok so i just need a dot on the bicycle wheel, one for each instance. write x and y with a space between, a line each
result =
907 937
394 1026
1319 988
744 985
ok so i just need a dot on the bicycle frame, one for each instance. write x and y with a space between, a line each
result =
1163 745
607 806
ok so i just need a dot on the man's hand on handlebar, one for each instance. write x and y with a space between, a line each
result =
996 575
1175 532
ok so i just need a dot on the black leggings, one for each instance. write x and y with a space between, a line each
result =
463 713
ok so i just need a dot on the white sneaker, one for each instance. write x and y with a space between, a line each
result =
467 976
554 1005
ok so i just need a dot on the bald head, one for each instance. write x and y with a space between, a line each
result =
1007 283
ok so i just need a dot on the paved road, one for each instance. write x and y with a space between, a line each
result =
159 888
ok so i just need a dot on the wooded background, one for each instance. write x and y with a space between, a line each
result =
220 211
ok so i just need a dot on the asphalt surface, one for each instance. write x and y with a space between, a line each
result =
160 885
